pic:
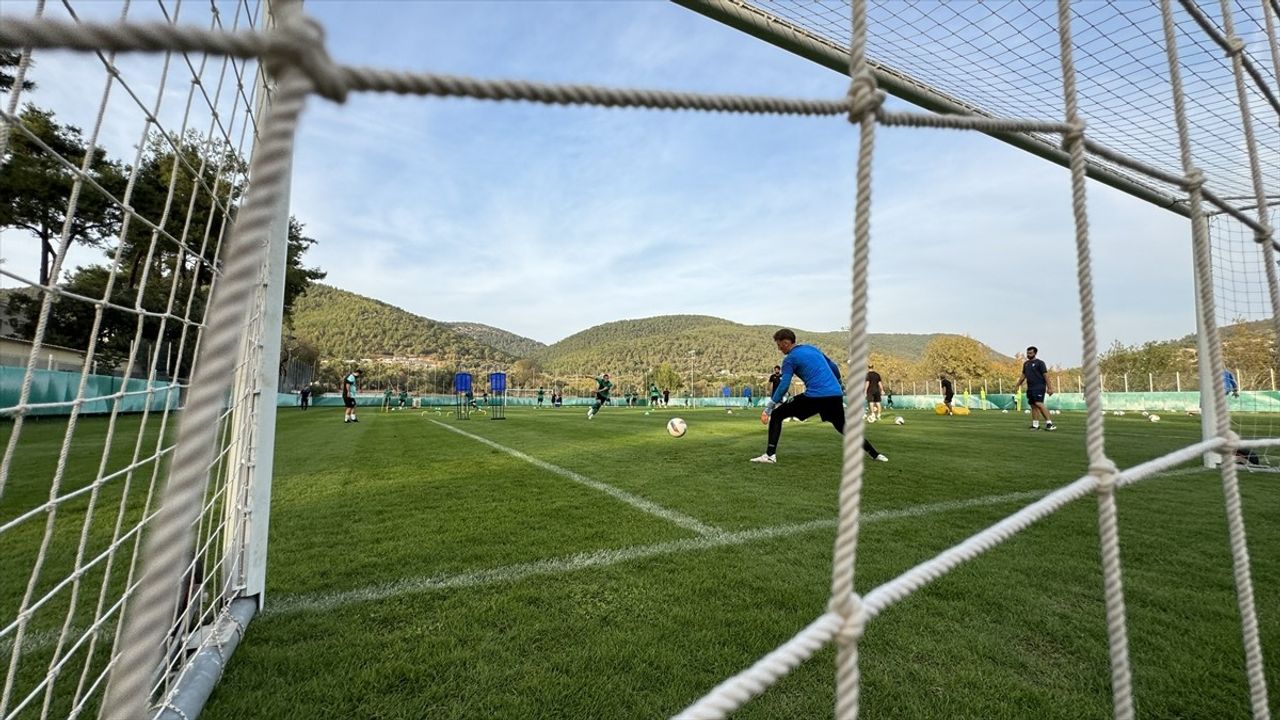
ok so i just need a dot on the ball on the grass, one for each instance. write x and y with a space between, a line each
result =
1153 417
1144 413
1006 412
871 418
899 420
677 427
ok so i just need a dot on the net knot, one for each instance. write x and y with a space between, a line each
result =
1264 235
1073 134
301 45
1105 471
850 608
864 96
1235 46
1194 180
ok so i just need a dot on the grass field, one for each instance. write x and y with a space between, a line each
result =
550 566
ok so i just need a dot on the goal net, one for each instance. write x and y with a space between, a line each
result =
1181 111
119 198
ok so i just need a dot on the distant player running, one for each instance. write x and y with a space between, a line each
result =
349 396
603 386
654 394
541 396
949 392
1036 375
822 396
386 400
404 399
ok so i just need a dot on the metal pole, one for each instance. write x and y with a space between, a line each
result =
1273 379
1126 382
1151 382
1177 383
251 560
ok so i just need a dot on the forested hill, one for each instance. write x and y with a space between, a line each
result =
346 326
703 344
508 342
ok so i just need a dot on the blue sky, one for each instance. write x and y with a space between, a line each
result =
546 220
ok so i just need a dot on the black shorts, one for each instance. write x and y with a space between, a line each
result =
947 398
349 402
873 397
1035 395
602 399
803 407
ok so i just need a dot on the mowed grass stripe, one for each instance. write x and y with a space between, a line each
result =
322 602
684 521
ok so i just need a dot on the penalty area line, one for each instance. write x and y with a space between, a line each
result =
635 501
323 602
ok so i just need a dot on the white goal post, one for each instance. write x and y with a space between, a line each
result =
198 575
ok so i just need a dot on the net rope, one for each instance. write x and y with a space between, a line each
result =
295 55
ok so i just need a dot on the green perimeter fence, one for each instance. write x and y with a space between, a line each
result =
54 391
1248 401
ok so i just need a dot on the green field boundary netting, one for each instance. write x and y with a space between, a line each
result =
102 393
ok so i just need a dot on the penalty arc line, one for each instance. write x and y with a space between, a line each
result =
323 602
635 501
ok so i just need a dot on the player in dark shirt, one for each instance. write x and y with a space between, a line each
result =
872 390
774 379
1036 375
948 392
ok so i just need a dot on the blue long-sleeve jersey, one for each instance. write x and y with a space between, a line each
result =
820 375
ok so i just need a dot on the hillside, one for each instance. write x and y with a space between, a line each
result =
701 344
347 326
497 338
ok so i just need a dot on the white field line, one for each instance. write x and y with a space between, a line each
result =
635 501
39 640
323 602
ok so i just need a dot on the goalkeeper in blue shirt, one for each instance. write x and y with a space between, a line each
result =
823 395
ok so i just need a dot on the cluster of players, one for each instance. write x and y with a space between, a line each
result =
823 393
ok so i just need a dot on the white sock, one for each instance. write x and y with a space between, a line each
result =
1035 423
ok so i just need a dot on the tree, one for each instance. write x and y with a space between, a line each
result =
894 371
11 59
1249 351
667 377
36 187
525 372
206 177
955 356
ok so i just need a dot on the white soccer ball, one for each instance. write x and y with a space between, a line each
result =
899 420
1006 412
1026 412
1153 418
871 418
677 427
1144 413
1120 413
